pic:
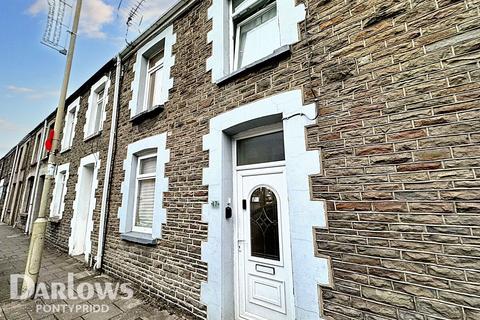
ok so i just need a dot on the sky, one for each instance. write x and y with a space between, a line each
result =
31 73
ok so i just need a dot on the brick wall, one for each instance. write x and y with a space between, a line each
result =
399 86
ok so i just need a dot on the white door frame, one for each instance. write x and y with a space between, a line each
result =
309 270
266 168
94 160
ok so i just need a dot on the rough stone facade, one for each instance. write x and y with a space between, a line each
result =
6 165
399 89
58 233
397 85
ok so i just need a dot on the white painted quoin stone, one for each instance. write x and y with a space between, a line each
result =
309 271
289 16
93 159
140 70
125 212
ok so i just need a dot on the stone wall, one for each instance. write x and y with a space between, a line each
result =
399 86
59 232
396 87
6 165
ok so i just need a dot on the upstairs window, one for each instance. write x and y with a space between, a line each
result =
153 81
37 148
50 128
96 113
257 30
70 123
99 104
247 32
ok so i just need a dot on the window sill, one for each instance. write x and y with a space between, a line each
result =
65 150
138 237
151 112
93 135
54 219
274 56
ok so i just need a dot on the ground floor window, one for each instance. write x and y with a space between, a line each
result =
145 193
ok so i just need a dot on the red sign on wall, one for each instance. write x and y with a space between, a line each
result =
49 141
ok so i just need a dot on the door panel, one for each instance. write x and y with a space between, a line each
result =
265 289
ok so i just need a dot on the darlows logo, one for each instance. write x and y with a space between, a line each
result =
68 290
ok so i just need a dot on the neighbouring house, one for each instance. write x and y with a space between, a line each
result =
278 159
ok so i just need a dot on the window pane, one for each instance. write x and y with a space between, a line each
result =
148 165
264 224
155 59
59 192
258 37
151 89
70 128
237 3
266 148
98 116
145 202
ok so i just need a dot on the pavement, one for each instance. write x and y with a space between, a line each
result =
67 290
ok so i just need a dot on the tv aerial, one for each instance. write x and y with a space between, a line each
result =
135 16
56 27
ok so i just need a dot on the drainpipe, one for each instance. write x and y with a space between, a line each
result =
102 233
9 187
34 199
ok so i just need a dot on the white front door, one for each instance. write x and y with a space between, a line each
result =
83 210
264 288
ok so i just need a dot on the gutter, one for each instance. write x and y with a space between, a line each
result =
102 233
9 187
34 198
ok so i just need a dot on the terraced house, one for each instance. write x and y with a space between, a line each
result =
279 159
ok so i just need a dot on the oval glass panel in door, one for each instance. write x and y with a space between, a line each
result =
264 224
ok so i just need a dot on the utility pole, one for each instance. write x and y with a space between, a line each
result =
37 239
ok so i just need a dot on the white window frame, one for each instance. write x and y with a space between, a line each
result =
69 127
221 63
236 27
27 194
2 185
37 148
158 67
57 206
138 104
21 157
308 270
140 177
89 129
126 213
